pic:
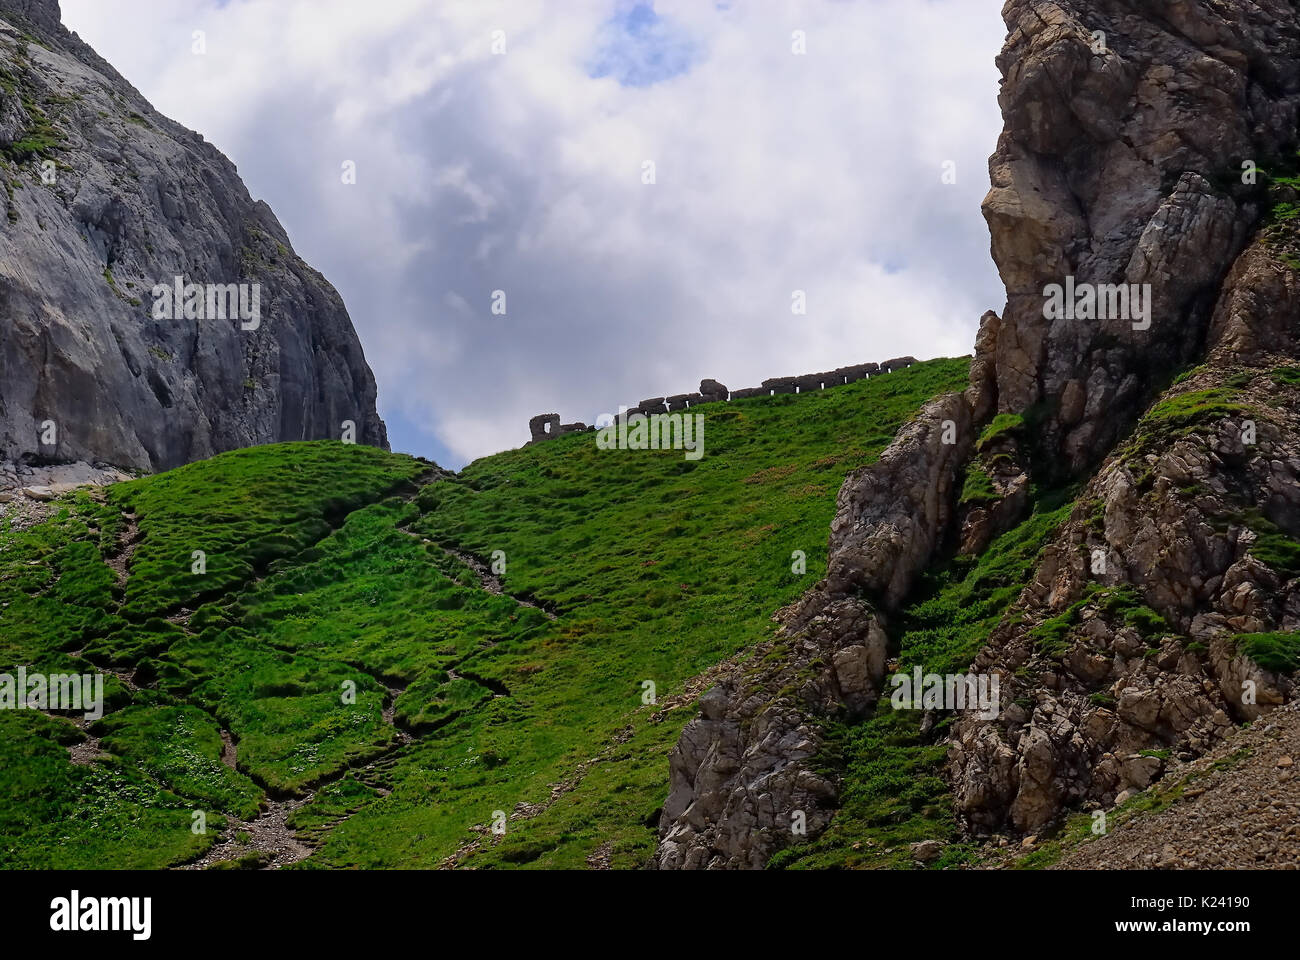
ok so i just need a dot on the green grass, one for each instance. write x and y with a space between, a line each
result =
179 746
250 508
978 487
1276 652
1001 425
658 568
55 590
54 814
327 582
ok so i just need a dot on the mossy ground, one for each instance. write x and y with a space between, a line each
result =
1185 414
326 575
999 426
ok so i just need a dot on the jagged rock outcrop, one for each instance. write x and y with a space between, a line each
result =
107 200
890 516
740 772
739 777
1123 651
1127 125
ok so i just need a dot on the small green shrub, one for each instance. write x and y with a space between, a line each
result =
1003 423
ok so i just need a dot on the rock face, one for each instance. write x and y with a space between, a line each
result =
108 201
1120 656
1127 126
1185 525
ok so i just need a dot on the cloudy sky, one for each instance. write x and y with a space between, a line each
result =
502 145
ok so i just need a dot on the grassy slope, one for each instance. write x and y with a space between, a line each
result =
659 568
61 609
323 573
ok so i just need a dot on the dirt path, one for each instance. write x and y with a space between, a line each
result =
229 754
181 618
490 582
389 714
127 542
88 751
599 858
487 580
268 836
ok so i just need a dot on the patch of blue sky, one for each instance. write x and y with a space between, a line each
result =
639 48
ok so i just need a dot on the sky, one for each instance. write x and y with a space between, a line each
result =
648 184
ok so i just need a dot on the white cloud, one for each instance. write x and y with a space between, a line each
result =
521 172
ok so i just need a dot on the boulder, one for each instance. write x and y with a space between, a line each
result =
712 390
779 385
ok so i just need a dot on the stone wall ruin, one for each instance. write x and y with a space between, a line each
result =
547 425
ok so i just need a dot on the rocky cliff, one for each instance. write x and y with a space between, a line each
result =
1194 515
1128 123
1146 172
107 203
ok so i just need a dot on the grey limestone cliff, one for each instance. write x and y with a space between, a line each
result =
107 203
